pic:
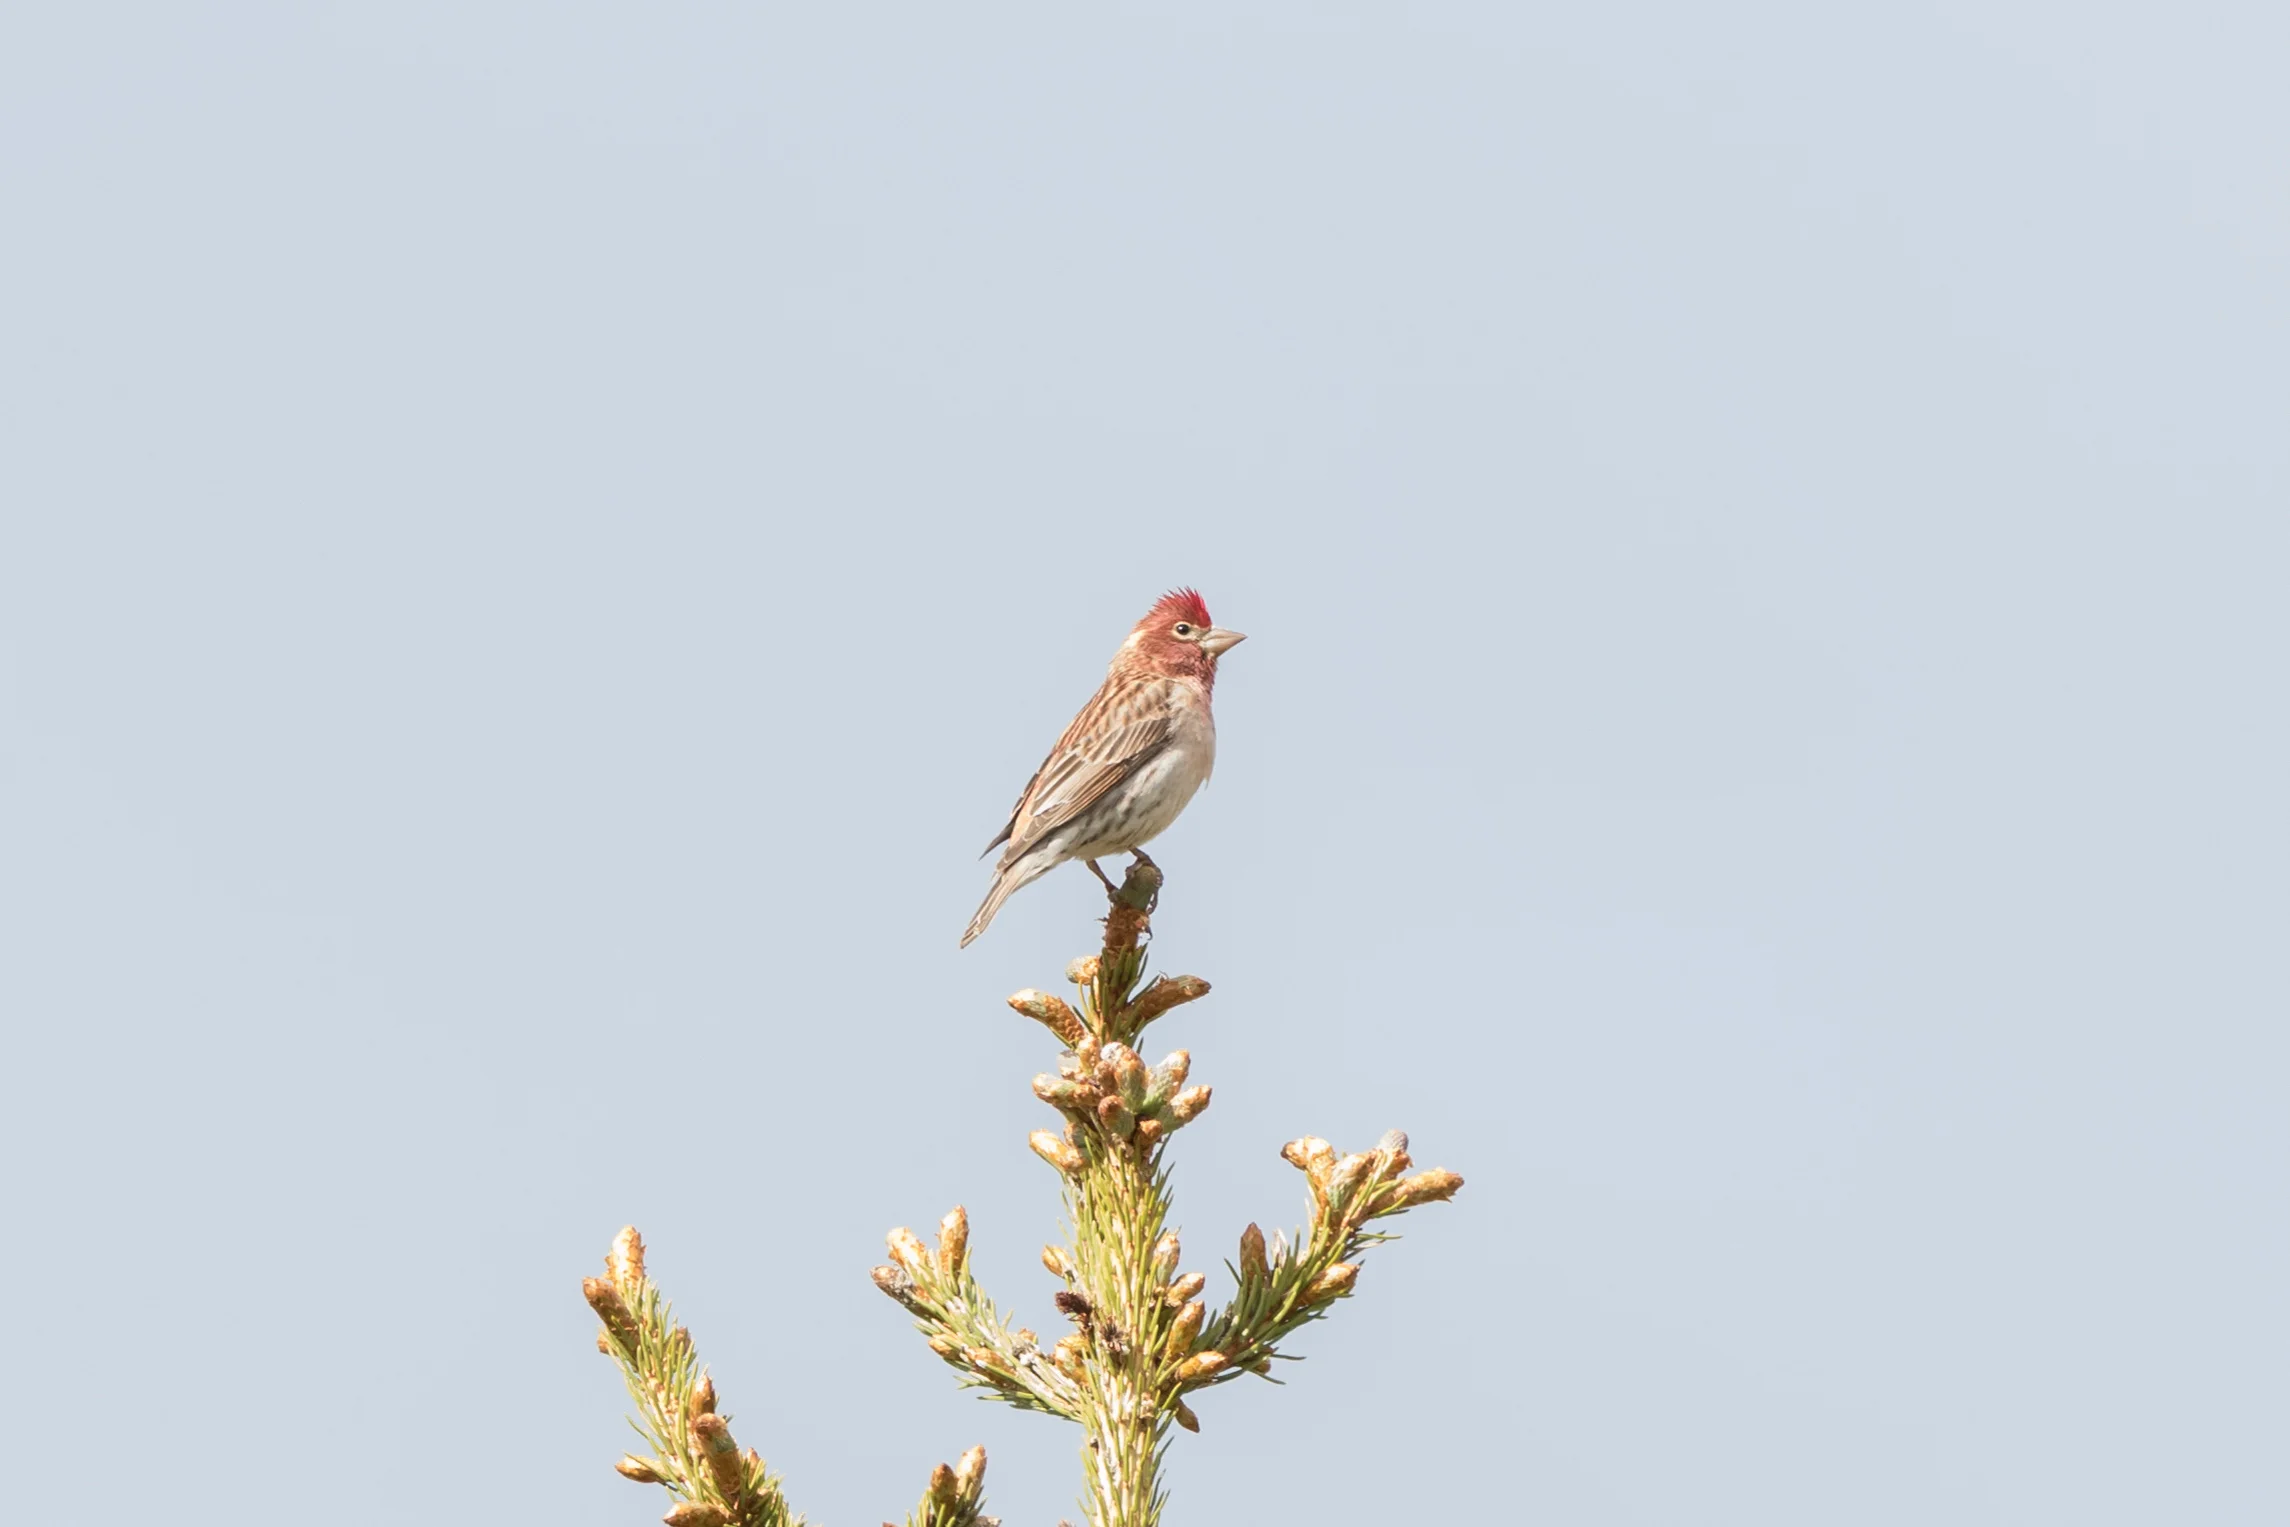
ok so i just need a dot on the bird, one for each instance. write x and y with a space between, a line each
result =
1128 763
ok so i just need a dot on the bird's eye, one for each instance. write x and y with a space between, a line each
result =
1184 628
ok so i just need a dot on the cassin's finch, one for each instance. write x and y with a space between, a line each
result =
1129 762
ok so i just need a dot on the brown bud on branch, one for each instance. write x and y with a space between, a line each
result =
1052 1013
1253 1268
1312 1156
1189 1104
645 1471
1168 1251
953 1242
1201 1366
703 1396
1347 1174
1060 1265
1164 993
613 1311
1128 1074
696 1513
714 1435
1186 1418
1070 1093
1187 1287
908 1251
625 1262
970 1475
1432 1187
1393 1147
1336 1280
1186 1329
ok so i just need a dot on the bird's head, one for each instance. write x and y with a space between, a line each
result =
1176 637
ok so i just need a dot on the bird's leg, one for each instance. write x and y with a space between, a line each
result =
1137 856
1110 887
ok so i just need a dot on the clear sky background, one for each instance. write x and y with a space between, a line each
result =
540 540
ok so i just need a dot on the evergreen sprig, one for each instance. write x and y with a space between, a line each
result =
692 1451
1141 1336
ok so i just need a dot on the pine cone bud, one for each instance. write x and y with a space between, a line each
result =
1253 1268
1348 1173
625 1262
1051 1012
1311 1155
1082 970
1163 994
953 1242
1149 1130
1189 1104
1394 1148
1435 1186
696 1513
970 1475
1168 1251
1186 1329
1067 1355
941 1485
1171 1073
1060 1265
1126 1072
1201 1365
613 1311
703 1401
714 1435
1186 1418
1336 1280
645 1471
1071 1093
908 1251
1187 1287
1114 1117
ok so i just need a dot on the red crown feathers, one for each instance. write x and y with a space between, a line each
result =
1182 604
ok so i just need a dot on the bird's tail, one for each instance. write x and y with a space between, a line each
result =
1022 873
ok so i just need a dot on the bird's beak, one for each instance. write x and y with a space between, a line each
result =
1216 640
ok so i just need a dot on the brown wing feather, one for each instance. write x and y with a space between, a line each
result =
1124 724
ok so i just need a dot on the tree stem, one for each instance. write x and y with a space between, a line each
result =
1120 1206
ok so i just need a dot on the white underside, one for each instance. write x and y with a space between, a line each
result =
1131 814
1143 806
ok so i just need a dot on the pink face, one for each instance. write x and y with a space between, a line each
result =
1177 637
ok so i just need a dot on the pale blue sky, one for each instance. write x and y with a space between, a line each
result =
540 540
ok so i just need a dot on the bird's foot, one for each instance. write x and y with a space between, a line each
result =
1110 888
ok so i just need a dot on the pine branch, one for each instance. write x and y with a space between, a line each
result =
693 1454
962 1325
1142 1338
715 1483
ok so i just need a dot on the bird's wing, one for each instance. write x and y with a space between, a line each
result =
1123 725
